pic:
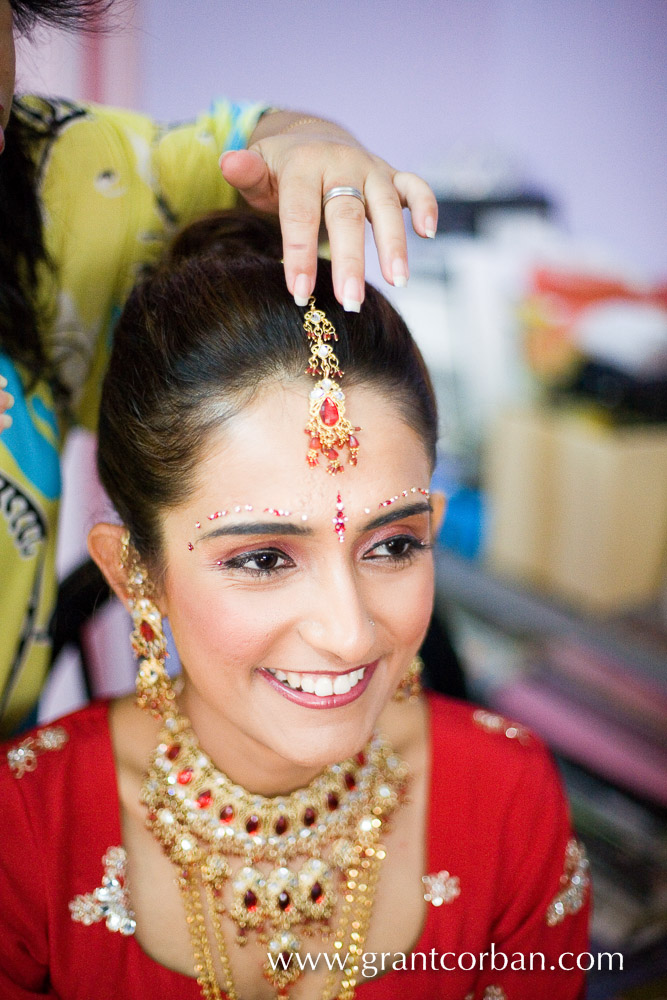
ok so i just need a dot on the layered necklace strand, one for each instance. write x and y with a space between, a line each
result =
316 841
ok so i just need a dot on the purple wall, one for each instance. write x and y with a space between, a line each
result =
573 90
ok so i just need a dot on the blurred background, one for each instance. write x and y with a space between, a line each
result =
541 308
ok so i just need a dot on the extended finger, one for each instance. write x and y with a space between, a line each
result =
415 194
299 209
6 400
385 214
345 218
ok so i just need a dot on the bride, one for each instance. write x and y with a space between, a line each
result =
291 817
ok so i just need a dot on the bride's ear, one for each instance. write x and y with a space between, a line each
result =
439 504
104 545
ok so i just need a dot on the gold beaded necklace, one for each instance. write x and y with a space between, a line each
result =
297 851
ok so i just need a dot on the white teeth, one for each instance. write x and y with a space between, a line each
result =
323 687
342 683
318 684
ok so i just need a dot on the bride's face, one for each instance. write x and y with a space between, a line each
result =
288 634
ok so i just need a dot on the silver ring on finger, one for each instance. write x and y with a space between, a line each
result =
338 192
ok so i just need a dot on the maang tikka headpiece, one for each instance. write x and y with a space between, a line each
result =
327 427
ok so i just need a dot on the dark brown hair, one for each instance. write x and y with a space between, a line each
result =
201 336
22 249
59 13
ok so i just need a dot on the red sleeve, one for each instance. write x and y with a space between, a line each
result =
541 922
23 919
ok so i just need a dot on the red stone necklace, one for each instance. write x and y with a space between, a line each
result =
298 851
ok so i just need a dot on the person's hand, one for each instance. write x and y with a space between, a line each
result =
6 402
289 172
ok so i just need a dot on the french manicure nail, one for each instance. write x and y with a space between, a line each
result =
3 381
351 296
301 289
430 227
5 420
399 274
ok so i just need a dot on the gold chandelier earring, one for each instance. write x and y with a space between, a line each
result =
410 686
153 684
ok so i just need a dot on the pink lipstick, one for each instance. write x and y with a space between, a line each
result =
311 700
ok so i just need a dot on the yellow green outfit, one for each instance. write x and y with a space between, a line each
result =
113 185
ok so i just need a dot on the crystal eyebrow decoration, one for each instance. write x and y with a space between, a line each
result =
340 519
247 508
401 495
327 427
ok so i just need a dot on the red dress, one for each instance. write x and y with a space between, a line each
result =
498 837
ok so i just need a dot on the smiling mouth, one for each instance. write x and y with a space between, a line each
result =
321 685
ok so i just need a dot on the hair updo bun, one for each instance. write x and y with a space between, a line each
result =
230 235
200 335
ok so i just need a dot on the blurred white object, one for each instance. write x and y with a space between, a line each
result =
631 336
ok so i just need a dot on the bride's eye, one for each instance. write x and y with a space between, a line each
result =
399 549
262 562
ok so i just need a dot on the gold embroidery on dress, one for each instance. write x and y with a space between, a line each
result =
490 993
441 888
574 882
109 902
494 723
23 757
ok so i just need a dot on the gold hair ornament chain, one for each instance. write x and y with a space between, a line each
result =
328 428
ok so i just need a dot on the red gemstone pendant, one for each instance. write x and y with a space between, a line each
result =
147 632
252 824
309 816
250 900
329 412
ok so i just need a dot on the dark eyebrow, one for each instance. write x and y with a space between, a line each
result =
420 507
277 527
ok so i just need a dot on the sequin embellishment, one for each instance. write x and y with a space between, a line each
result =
574 882
109 902
441 888
340 519
494 723
490 993
23 757
404 493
